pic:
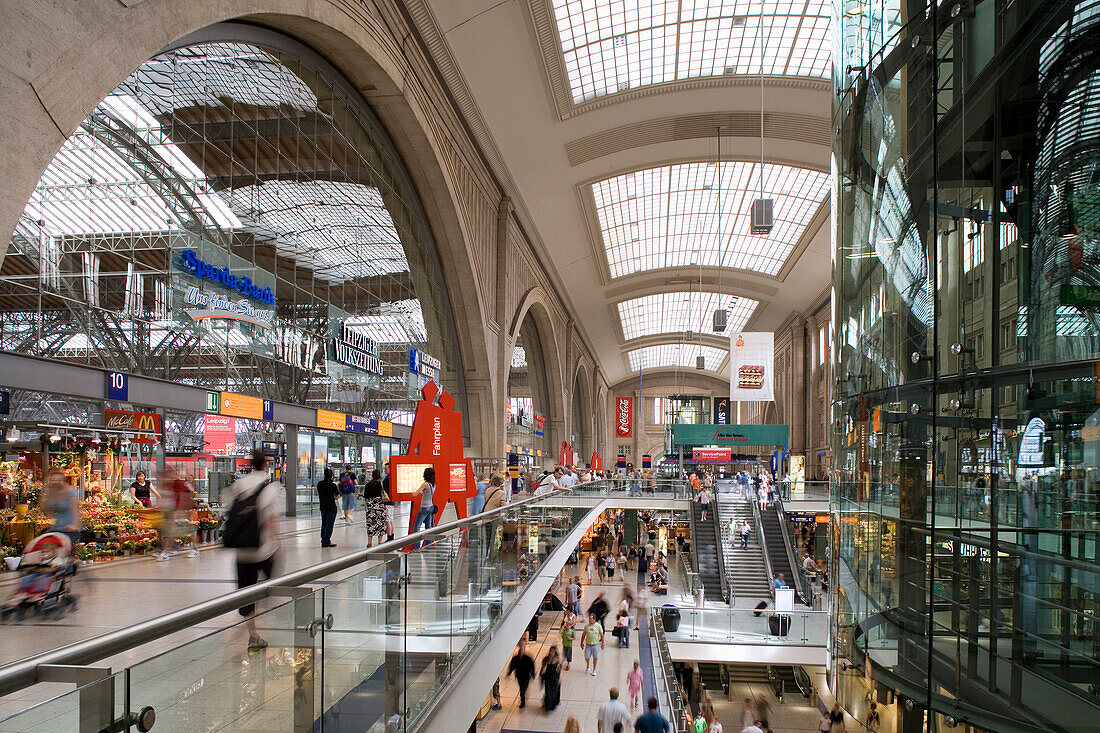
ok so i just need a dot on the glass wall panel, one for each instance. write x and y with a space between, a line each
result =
967 312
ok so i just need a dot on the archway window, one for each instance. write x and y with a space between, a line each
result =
255 160
528 426
699 214
612 47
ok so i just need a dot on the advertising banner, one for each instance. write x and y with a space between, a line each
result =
751 358
721 410
710 455
219 433
624 417
145 425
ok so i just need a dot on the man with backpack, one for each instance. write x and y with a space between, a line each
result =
250 529
349 492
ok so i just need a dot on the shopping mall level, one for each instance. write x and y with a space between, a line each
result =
549 365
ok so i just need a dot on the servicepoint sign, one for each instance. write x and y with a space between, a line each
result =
624 417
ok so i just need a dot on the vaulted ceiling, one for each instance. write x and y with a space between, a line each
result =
635 135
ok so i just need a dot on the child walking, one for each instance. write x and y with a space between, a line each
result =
634 684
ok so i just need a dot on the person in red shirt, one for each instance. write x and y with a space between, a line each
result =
180 497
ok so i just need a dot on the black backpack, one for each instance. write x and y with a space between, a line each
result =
242 523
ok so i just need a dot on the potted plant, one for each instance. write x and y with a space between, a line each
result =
11 557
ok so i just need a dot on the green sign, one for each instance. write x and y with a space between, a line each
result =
1087 296
731 435
213 401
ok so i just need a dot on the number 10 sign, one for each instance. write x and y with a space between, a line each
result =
118 386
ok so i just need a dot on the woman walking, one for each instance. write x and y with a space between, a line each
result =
551 679
62 505
590 566
425 518
374 510
634 684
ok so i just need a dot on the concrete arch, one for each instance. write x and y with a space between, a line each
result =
47 89
536 304
581 387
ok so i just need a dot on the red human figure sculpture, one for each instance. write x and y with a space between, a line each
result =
436 440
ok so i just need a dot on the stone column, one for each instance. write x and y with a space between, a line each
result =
290 473
799 364
499 395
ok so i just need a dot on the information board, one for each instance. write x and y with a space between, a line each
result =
239 405
409 476
327 420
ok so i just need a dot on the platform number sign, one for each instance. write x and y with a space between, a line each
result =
118 386
269 410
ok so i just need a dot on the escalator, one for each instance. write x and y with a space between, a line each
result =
706 553
776 541
787 680
710 674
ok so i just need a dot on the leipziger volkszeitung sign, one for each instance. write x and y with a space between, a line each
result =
354 349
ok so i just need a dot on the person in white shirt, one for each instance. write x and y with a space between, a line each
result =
252 561
611 712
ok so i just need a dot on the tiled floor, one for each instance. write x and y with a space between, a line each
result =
126 592
581 694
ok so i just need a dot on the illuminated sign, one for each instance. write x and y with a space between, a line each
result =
145 425
458 477
385 429
219 306
424 364
239 405
722 410
624 417
331 420
710 455
222 276
356 350
540 425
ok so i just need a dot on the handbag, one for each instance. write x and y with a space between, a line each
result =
435 510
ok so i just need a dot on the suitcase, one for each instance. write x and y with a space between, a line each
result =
779 624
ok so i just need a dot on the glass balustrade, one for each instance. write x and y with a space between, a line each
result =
747 626
367 650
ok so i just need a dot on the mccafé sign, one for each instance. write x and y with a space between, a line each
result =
144 425
624 417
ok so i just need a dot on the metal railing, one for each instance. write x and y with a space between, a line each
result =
665 673
720 550
750 626
758 527
393 629
801 583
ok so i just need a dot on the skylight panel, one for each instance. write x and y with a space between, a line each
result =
616 46
675 355
698 214
340 230
679 312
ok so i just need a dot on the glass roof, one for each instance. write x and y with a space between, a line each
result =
89 188
343 230
698 214
618 45
679 312
675 355
398 322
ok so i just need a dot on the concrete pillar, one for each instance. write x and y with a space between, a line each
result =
290 473
799 363
503 319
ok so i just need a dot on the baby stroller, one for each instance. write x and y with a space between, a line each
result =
46 567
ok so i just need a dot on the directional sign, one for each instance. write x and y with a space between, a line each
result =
213 401
118 386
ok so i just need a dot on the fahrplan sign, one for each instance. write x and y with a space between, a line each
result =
624 417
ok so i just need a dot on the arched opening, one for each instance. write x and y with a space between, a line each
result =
580 419
528 397
234 216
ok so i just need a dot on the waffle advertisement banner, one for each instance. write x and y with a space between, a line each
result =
751 366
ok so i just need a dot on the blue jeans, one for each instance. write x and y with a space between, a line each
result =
328 519
479 504
424 519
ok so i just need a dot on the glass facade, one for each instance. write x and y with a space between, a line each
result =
967 360
233 216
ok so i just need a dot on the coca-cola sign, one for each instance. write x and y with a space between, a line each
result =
624 417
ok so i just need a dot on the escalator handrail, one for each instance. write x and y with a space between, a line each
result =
797 577
758 523
719 549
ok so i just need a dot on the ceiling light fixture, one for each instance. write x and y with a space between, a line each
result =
762 214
